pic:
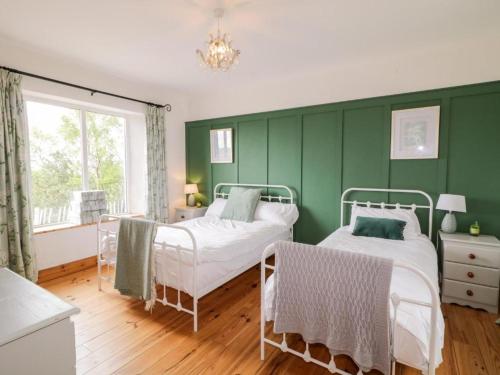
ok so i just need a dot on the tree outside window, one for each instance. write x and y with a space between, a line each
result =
57 164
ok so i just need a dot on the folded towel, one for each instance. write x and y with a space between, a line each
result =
336 298
135 271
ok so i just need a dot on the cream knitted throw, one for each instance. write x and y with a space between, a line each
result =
336 298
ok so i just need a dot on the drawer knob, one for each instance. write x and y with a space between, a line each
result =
470 293
472 256
470 274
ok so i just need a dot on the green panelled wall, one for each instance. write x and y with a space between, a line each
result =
252 152
474 156
321 150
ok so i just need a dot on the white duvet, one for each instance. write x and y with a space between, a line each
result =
218 240
225 249
413 321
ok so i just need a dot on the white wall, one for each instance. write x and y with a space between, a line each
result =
67 245
470 61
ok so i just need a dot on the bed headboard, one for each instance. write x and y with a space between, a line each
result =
429 206
286 198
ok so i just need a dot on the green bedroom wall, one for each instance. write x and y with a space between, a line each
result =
321 150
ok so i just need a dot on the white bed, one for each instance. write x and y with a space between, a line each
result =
412 338
413 329
199 255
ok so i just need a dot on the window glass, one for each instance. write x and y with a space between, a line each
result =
106 158
59 167
56 160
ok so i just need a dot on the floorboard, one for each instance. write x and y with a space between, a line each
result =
114 335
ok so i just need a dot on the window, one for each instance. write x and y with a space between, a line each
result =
74 149
106 158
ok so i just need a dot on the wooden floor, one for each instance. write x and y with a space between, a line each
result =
115 335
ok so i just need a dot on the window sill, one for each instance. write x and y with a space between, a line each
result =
65 226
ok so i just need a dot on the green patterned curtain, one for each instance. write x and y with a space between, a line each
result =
157 165
16 250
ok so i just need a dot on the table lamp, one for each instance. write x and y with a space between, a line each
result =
191 189
451 203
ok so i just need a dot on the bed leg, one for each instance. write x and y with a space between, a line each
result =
99 277
195 315
262 350
262 304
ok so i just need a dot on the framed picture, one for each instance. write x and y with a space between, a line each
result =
221 145
415 133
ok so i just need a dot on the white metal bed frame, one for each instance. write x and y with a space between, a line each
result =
102 260
395 298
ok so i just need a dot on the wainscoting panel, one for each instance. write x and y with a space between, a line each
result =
252 151
226 172
474 163
198 161
321 175
284 151
365 160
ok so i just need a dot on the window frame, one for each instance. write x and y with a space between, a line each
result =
83 108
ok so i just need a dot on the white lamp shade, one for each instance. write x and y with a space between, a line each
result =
451 202
190 189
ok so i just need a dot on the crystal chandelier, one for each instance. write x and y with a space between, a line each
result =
220 54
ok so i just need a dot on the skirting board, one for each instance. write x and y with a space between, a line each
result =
66 269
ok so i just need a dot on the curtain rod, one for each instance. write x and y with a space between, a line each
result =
168 107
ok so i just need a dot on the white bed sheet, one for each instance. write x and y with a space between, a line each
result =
225 249
413 321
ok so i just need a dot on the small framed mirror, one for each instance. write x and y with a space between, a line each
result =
221 145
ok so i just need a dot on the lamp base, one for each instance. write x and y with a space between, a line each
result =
191 200
449 224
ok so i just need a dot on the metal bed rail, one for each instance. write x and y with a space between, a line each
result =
429 206
270 198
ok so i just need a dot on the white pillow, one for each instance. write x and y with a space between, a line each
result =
216 208
412 228
277 213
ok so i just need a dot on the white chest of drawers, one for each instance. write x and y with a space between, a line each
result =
471 270
37 335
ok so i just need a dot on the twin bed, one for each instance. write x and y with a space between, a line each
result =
199 255
416 319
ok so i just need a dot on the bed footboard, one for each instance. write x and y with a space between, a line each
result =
105 257
396 302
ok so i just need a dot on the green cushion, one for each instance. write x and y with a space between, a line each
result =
241 204
390 229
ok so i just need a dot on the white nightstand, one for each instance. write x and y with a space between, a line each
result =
471 270
187 213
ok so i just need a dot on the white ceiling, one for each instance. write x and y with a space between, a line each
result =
154 41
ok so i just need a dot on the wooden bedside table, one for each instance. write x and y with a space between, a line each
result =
187 213
471 270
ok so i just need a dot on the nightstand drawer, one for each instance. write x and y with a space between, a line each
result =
182 215
472 254
472 274
470 292
188 213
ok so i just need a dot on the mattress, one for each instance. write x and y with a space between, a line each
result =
226 248
412 331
